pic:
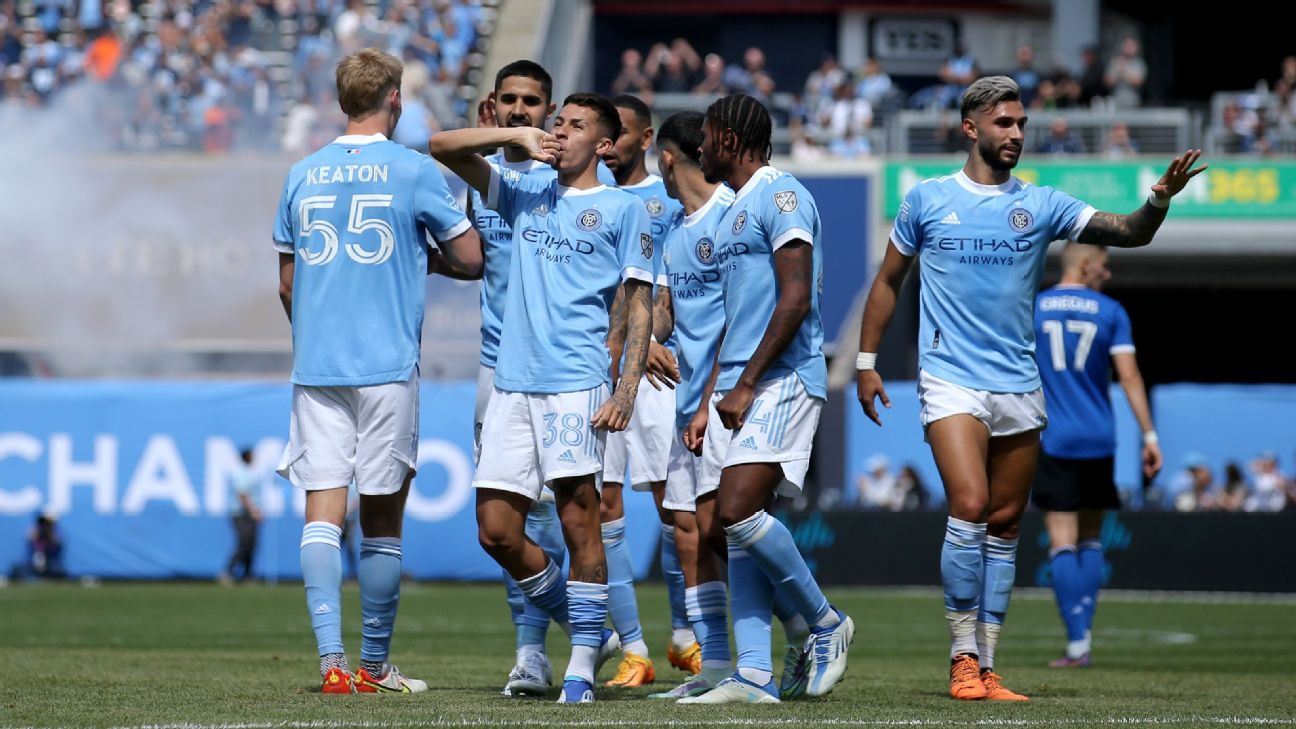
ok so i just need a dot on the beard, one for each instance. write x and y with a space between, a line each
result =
991 156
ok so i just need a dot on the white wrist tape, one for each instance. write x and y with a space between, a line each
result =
1157 202
1150 437
866 361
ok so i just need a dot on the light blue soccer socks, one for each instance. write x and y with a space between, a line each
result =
621 604
321 566
1000 571
530 622
752 602
961 576
708 609
769 543
674 577
587 603
379 575
547 590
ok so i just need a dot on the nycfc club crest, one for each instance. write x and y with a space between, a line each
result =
705 248
589 220
740 222
1021 220
645 245
785 201
655 207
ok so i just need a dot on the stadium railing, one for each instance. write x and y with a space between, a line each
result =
1153 130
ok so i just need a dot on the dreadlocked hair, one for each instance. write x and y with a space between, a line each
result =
749 120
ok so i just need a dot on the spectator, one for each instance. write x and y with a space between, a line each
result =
957 72
674 69
851 145
877 484
1027 78
848 113
1061 140
1118 144
1126 74
804 147
1270 485
712 83
1093 82
44 551
1235 489
750 78
821 85
910 493
244 483
875 85
631 79
1197 483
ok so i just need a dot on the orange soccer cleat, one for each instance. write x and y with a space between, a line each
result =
688 660
965 679
635 670
337 681
996 691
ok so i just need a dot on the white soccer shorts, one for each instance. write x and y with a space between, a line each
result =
1003 413
779 428
684 478
530 440
368 435
485 386
645 446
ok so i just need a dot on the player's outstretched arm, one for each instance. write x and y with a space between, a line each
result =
287 263
1137 228
794 271
1131 380
459 149
878 311
614 415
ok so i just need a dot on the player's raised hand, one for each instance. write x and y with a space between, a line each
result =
695 431
539 144
661 368
1151 459
1178 174
869 385
486 118
734 405
614 414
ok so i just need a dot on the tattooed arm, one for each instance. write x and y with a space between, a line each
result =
663 314
615 414
617 332
1137 228
794 271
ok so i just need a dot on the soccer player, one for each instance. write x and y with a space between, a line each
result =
980 236
1082 334
575 240
351 232
770 383
694 320
644 447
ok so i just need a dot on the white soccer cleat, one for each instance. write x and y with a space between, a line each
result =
827 659
736 690
530 677
391 683
692 686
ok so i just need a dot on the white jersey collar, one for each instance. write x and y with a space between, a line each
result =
967 184
765 173
564 191
721 194
360 138
650 180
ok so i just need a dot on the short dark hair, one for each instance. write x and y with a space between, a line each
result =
609 119
627 101
684 130
749 120
526 69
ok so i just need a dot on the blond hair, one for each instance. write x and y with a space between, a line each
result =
364 79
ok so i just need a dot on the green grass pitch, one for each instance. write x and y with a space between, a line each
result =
202 656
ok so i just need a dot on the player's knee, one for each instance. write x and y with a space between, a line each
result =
1004 526
969 507
497 540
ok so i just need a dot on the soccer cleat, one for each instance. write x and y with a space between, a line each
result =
826 659
692 686
634 671
688 660
737 690
337 681
965 679
796 671
996 691
391 683
576 691
530 677
608 648
1067 662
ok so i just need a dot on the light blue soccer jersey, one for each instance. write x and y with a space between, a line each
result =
689 262
1077 331
660 206
357 214
772 209
497 237
981 251
572 248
